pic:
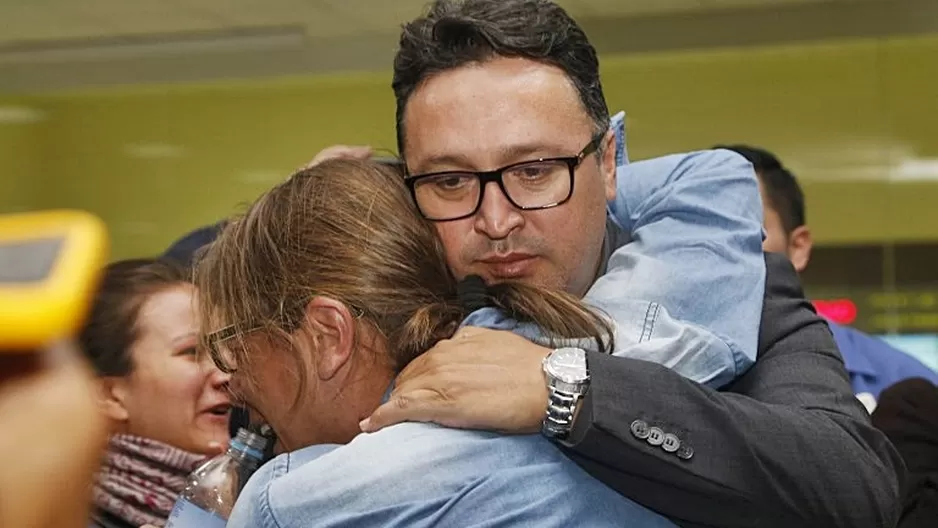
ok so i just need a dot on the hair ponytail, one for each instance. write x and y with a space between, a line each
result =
559 314
425 327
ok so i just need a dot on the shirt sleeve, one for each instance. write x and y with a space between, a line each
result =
693 271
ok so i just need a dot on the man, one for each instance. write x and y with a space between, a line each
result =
185 250
484 84
872 364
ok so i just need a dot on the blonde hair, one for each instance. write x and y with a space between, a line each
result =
348 230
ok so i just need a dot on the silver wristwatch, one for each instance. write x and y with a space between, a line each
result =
568 379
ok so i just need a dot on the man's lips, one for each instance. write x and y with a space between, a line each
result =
508 266
506 258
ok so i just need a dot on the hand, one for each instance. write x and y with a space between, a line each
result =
54 436
340 152
479 379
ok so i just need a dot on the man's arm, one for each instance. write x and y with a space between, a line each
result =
789 445
695 222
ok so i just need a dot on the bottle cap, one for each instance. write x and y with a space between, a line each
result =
249 443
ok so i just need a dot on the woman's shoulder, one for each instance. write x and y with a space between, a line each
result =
252 509
399 465
402 449
416 475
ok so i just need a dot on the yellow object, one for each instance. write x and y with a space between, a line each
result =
50 263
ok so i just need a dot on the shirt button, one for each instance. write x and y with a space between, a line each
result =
639 429
655 436
671 443
685 452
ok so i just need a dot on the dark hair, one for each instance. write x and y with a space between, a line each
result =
781 187
112 326
454 33
187 249
348 230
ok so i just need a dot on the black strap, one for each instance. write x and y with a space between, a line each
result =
473 293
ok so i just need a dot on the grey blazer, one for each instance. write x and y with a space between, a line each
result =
786 445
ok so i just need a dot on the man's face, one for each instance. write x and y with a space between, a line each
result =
506 110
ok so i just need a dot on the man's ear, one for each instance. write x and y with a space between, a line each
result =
607 165
799 247
332 327
113 398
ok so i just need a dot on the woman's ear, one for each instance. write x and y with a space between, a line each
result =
113 398
332 326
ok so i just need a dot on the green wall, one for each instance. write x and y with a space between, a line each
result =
157 161
19 142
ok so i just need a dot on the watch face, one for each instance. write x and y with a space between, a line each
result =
568 364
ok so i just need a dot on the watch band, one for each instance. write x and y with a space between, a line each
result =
561 409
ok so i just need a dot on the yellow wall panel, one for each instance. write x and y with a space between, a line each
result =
155 165
18 144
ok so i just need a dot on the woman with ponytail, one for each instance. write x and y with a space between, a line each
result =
319 294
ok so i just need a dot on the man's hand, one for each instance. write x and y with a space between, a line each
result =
479 379
340 152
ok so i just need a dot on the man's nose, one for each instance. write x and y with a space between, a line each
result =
497 217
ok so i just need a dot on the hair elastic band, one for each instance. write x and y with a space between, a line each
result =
473 293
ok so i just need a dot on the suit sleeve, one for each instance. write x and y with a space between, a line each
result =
785 445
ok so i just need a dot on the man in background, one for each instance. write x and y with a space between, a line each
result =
872 364
185 250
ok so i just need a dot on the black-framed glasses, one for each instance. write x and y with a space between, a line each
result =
221 352
529 185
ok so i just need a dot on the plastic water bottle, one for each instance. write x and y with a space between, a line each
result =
212 489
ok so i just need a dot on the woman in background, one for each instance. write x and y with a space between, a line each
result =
168 409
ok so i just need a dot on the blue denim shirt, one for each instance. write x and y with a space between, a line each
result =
873 365
687 290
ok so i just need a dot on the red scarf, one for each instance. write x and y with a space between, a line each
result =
141 478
